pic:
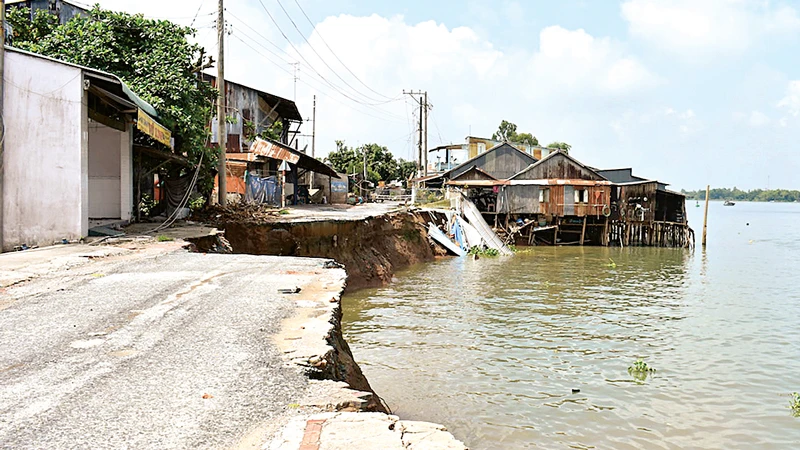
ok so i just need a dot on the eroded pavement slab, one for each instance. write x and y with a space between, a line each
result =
172 350
362 431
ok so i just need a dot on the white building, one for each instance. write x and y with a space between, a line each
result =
68 149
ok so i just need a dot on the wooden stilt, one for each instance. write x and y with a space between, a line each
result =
583 231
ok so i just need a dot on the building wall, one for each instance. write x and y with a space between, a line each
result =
473 146
43 160
559 167
562 200
501 163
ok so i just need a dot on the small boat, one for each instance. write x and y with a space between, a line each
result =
728 203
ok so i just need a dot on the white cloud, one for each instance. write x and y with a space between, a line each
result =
630 123
792 100
758 119
576 62
703 27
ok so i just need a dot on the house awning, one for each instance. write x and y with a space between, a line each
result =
478 183
275 150
559 182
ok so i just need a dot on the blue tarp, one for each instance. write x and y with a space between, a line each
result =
262 190
458 234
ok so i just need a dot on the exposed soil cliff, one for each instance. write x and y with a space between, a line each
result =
372 250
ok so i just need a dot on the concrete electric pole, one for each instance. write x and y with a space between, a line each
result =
425 146
422 146
2 119
222 128
313 135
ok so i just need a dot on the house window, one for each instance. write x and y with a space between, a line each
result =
544 195
581 196
481 147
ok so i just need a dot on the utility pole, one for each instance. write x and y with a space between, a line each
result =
425 150
2 120
420 170
295 64
313 135
705 216
422 146
422 155
222 128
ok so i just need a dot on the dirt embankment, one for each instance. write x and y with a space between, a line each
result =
371 250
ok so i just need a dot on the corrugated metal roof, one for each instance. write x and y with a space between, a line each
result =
146 107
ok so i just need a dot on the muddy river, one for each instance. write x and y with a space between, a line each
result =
533 351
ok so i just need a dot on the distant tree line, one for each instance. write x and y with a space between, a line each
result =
381 164
756 195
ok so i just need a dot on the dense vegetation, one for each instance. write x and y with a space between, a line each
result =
381 164
756 195
153 57
507 132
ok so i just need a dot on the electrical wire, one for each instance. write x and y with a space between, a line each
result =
291 44
316 88
334 53
325 62
288 62
198 12
174 216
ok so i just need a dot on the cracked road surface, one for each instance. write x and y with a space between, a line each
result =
166 351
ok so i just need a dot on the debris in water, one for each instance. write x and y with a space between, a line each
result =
293 290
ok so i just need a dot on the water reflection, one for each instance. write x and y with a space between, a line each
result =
495 347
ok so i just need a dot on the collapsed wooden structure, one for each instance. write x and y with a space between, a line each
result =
560 201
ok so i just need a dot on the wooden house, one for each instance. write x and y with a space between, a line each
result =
559 193
559 186
645 212
500 162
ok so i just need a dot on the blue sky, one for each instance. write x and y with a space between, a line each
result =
689 92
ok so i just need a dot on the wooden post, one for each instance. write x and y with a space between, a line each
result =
583 231
705 216
605 233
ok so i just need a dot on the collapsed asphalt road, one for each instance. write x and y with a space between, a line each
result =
167 351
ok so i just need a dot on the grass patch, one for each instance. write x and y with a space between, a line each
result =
163 238
411 235
640 370
483 251
440 204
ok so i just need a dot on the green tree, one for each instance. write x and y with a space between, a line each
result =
381 164
153 57
507 132
406 169
560 145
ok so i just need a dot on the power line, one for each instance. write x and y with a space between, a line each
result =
322 59
198 12
316 88
310 74
334 53
279 66
291 44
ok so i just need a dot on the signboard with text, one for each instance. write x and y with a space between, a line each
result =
150 127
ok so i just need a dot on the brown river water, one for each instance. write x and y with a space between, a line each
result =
493 348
